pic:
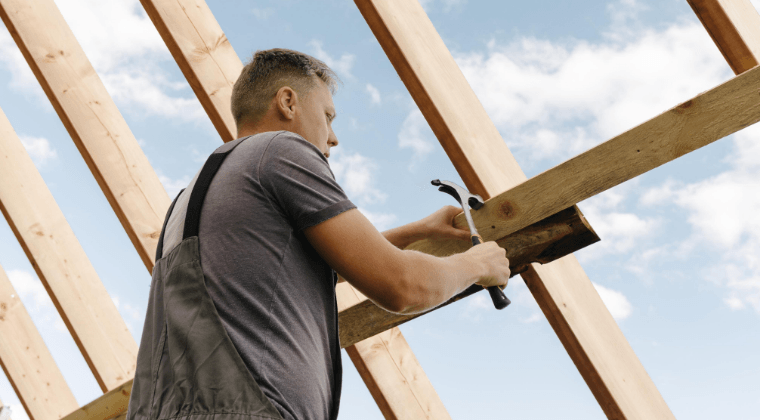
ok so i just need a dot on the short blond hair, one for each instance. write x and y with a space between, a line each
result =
266 73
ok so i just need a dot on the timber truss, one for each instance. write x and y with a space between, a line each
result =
535 219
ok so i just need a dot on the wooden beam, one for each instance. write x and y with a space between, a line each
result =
110 405
62 265
543 242
708 117
390 370
91 118
203 53
734 25
27 363
616 378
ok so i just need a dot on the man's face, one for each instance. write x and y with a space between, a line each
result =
316 115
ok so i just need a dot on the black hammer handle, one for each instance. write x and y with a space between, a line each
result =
500 300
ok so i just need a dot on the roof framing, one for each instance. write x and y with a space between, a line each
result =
385 361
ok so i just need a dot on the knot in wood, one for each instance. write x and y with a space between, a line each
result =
506 210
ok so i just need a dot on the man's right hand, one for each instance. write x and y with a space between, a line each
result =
491 262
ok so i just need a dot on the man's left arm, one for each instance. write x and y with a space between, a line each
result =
439 225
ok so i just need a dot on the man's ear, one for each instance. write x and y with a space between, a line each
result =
285 102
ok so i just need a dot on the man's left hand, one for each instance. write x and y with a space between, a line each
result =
440 225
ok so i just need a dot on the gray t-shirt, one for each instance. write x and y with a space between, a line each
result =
274 293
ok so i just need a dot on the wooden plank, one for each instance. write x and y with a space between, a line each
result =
695 123
734 25
390 370
617 380
545 241
91 118
27 363
62 265
112 404
203 53
211 67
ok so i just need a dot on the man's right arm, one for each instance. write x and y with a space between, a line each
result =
397 280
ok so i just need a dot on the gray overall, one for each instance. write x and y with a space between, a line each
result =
187 366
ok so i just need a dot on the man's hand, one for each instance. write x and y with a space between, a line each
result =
493 262
440 225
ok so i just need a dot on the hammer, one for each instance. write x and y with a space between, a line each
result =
467 200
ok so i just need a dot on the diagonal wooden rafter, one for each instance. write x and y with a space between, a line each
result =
62 265
91 118
734 25
565 294
196 41
27 362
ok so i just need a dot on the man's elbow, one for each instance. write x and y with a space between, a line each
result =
408 296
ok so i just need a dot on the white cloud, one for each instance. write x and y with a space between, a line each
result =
39 149
415 134
356 174
552 100
173 186
263 14
616 302
27 285
722 211
619 230
342 65
381 221
18 412
374 94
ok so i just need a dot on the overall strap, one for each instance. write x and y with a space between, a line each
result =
160 247
212 165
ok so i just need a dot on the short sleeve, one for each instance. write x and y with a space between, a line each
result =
296 175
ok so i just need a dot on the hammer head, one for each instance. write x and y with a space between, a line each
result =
460 194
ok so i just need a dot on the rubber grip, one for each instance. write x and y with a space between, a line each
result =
499 299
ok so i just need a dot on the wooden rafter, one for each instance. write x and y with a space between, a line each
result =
566 296
26 361
91 118
62 265
734 25
211 66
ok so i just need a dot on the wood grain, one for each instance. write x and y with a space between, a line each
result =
110 405
617 380
543 242
62 265
734 26
27 362
203 53
91 118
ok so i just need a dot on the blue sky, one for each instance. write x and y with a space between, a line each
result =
679 261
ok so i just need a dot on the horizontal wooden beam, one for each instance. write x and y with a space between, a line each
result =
543 242
62 265
27 362
734 26
595 344
91 118
708 117
112 404
203 53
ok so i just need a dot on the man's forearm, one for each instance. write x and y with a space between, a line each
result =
405 235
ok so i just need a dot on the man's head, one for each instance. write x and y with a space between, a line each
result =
286 90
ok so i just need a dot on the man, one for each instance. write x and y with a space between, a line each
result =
242 321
